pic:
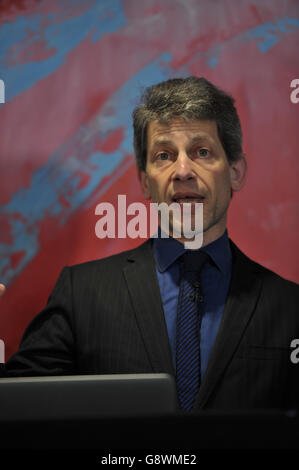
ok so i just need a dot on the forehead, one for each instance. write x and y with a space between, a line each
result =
179 129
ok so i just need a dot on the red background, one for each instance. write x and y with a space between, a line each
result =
73 72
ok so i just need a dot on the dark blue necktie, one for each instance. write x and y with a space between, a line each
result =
188 329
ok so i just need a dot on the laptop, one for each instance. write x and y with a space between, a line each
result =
86 397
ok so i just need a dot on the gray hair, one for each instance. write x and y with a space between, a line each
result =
188 98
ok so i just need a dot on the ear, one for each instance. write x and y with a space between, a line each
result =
238 172
143 179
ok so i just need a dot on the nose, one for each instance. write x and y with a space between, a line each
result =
183 168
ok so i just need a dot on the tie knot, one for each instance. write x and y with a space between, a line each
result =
194 260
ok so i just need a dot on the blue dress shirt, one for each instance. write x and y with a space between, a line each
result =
215 282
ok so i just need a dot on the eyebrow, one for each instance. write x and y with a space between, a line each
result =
167 142
200 138
161 142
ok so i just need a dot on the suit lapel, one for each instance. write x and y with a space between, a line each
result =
243 295
143 286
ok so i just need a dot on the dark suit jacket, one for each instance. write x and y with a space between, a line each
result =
106 317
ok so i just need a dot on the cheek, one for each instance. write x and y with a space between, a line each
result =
151 189
220 185
157 184
222 178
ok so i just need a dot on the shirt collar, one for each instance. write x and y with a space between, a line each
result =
168 250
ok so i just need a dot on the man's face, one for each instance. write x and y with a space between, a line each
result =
187 163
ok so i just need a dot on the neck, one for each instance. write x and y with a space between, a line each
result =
202 239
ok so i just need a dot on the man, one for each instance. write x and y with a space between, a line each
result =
225 331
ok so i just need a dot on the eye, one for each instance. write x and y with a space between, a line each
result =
163 156
202 152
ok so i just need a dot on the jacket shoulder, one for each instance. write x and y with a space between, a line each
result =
270 278
116 261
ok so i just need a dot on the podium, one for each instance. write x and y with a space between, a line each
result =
128 412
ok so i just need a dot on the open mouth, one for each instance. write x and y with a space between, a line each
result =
188 198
